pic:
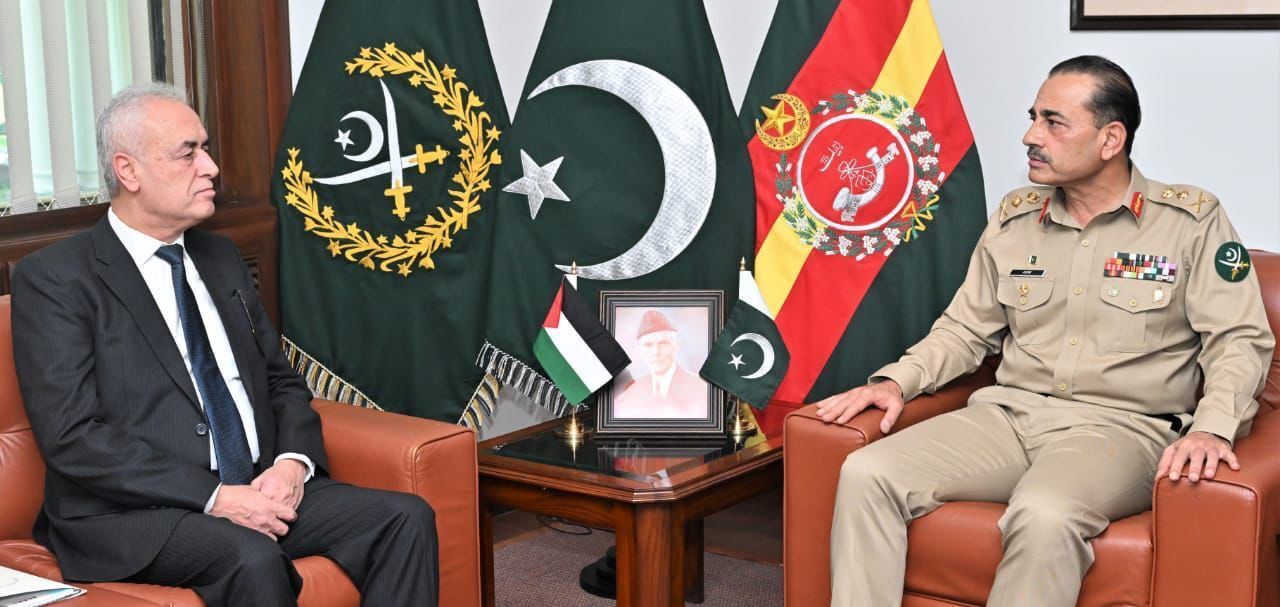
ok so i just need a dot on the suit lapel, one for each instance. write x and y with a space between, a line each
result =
121 276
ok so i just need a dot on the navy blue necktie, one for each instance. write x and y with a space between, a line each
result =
235 463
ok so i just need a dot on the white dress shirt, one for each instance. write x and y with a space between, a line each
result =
662 383
158 275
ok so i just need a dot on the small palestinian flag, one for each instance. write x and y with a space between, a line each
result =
576 351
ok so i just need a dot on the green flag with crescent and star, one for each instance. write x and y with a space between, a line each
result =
624 157
749 358
385 186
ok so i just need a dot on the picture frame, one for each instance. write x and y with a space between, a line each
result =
1174 14
668 335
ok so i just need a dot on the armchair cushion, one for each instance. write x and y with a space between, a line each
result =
954 552
434 460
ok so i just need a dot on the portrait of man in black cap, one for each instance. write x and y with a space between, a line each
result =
667 390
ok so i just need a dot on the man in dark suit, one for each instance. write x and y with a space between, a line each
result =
181 448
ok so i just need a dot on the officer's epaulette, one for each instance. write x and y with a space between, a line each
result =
1196 201
1024 200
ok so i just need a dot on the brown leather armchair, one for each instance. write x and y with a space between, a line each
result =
1212 543
365 447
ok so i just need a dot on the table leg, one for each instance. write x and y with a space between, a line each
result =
650 558
486 556
693 564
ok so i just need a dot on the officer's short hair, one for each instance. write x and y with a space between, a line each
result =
1114 99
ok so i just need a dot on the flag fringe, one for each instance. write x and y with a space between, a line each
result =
480 408
322 382
513 373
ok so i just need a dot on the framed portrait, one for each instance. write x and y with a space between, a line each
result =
1174 14
668 335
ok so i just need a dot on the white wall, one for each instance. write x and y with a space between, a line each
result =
1211 100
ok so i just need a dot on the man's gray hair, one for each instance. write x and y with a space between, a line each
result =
117 129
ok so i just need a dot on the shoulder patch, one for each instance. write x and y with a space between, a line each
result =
1023 200
1232 261
1199 202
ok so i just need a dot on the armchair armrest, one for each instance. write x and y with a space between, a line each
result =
434 460
1222 530
812 455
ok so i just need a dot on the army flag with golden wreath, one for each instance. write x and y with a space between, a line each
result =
383 185
868 188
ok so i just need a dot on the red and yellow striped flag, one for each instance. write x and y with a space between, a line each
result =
868 189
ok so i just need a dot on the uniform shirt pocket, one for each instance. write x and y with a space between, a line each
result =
1134 316
1024 301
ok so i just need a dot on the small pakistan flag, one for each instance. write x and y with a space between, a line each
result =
748 358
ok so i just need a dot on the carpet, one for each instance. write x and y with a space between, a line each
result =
542 571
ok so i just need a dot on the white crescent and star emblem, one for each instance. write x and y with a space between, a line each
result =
688 158
766 351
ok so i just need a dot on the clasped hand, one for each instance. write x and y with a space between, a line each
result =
886 395
266 505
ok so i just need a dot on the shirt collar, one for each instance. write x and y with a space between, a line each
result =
141 247
1135 201
662 382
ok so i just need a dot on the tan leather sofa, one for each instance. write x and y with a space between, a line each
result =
1210 544
365 447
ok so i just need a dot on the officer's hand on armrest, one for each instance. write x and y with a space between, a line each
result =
248 507
1201 451
886 395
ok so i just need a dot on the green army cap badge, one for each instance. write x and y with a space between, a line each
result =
1232 261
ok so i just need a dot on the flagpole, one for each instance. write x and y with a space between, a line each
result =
573 432
740 425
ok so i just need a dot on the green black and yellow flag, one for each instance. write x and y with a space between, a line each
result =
384 186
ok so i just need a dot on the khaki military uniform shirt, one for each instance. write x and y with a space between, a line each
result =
1129 313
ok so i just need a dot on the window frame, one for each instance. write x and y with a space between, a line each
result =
249 78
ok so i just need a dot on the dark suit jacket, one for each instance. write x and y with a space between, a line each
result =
113 407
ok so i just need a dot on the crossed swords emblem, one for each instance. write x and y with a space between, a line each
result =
1233 260
395 163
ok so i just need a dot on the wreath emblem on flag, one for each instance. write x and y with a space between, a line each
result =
402 253
865 178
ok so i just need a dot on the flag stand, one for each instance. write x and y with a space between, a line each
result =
573 432
740 425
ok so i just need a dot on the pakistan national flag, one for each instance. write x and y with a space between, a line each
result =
636 171
749 358
385 188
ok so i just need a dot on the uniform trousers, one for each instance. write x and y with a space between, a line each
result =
1065 469
385 541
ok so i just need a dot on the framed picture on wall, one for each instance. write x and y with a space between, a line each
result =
1174 14
668 335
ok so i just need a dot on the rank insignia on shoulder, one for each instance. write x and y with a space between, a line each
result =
1191 199
1140 266
1232 262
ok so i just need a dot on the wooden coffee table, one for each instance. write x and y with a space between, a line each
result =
652 494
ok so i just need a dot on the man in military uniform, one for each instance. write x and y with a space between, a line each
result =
1111 298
